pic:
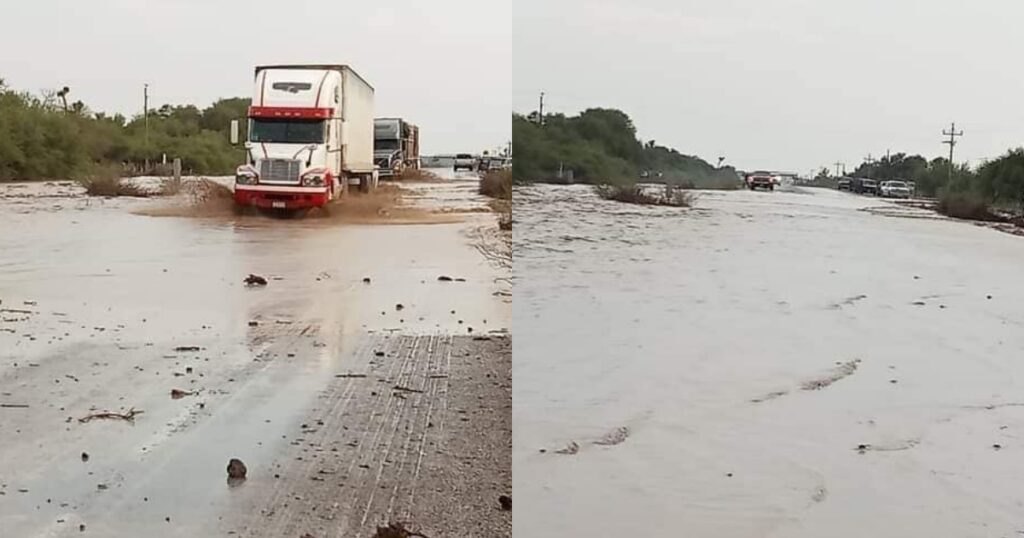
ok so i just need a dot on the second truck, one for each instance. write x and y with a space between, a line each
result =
310 137
396 146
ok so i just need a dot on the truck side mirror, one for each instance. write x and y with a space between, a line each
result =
234 132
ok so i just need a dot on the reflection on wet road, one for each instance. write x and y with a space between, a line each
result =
105 309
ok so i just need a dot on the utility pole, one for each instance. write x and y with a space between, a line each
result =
540 112
952 134
838 164
145 117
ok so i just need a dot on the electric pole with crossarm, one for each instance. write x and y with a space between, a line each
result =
952 134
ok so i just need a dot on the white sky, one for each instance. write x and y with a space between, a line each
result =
784 84
440 64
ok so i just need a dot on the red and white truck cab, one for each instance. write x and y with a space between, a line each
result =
310 136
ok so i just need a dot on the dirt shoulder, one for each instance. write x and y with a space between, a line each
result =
417 432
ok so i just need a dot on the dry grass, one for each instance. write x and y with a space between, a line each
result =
637 194
420 174
497 184
967 206
112 186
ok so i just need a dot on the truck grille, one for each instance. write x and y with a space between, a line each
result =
279 171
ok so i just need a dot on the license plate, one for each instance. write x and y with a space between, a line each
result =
278 205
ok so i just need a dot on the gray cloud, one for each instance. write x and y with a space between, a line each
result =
785 84
443 65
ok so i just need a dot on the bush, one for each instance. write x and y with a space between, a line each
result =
637 194
112 186
964 205
497 184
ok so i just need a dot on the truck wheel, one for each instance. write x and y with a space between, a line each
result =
365 183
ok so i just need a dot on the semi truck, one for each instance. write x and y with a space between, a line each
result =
396 146
310 137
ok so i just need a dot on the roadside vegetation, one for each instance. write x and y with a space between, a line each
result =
600 146
497 184
668 195
993 191
112 186
46 137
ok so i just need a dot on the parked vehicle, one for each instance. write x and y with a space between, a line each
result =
464 161
759 181
396 146
895 189
843 184
861 185
310 136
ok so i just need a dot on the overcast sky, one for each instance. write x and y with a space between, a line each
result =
784 84
441 64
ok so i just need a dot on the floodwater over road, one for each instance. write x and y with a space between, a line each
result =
789 364
107 309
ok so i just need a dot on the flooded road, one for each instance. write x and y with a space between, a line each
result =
788 364
107 309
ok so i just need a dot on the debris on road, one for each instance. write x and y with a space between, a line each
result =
396 530
177 394
350 375
614 437
13 406
842 370
187 348
570 449
255 280
366 280
129 416
85 456
444 278
400 388
236 469
505 501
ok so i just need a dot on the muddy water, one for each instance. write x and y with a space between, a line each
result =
788 364
97 296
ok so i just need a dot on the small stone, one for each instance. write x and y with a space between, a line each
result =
366 280
236 469
505 501
399 306
85 456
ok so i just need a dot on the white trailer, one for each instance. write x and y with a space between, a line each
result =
310 136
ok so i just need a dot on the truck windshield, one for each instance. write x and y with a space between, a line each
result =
286 131
385 144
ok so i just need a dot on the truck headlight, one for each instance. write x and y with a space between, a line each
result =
245 179
313 181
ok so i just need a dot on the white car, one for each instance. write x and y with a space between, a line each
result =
464 161
895 189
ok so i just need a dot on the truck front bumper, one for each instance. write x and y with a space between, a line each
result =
281 197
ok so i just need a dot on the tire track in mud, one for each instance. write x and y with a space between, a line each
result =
390 446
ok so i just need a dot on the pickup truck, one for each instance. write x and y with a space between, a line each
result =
759 181
895 189
465 161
